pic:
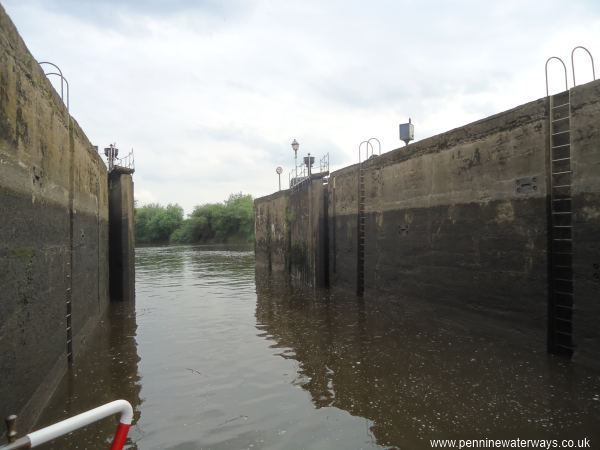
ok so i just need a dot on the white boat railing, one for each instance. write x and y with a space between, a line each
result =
47 434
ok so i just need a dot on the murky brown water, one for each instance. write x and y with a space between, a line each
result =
214 357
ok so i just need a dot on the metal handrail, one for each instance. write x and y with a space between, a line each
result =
573 63
379 143
298 176
564 67
367 154
127 161
324 163
47 434
59 71
62 78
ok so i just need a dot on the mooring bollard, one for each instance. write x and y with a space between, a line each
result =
39 437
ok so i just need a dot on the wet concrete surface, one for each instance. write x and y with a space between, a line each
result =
216 356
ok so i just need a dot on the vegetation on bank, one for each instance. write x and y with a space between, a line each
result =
229 221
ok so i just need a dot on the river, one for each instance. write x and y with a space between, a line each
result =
217 356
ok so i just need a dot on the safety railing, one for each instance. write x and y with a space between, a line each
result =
127 161
298 176
47 434
324 164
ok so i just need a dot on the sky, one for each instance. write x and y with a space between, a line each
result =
210 93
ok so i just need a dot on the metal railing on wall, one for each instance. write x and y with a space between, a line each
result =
127 161
63 81
573 62
572 68
298 175
368 146
324 164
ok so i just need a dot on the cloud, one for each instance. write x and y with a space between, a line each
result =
134 16
210 94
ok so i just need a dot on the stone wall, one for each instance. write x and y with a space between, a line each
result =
53 233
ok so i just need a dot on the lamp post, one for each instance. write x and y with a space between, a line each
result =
278 172
295 147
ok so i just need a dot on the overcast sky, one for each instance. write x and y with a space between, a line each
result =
211 93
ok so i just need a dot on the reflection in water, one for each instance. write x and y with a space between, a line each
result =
108 371
323 371
419 378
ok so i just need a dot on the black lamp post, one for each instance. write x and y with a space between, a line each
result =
295 147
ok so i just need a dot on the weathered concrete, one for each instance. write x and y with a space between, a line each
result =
585 154
272 232
121 235
461 220
53 233
291 232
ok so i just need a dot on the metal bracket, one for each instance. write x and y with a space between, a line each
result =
526 185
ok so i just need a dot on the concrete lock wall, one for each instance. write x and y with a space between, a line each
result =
272 232
461 220
121 235
585 145
53 233
291 232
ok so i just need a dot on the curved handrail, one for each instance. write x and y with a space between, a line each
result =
39 437
564 67
379 143
59 71
367 154
61 81
573 62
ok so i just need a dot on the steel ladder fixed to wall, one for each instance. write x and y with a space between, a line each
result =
560 212
362 217
560 314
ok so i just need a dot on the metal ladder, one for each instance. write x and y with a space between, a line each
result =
560 313
362 217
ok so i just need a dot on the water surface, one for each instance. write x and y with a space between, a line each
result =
217 356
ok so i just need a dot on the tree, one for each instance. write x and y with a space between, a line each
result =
231 220
156 223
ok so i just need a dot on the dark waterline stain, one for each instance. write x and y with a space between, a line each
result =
218 356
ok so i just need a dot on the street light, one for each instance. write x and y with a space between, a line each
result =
278 172
295 147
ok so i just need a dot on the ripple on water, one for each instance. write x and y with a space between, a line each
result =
220 357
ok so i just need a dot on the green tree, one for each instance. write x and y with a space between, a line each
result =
231 220
156 223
